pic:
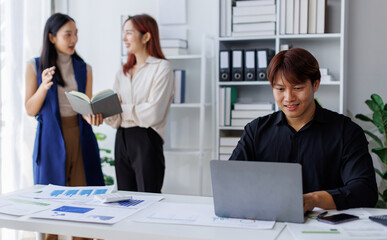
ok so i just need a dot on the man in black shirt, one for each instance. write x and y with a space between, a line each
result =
333 151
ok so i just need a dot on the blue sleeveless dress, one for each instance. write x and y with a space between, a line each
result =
49 156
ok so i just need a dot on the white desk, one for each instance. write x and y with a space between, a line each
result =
128 229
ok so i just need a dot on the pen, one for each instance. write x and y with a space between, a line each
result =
322 214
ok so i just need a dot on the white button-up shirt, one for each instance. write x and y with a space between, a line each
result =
145 97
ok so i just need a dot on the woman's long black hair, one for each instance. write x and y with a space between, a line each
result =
49 54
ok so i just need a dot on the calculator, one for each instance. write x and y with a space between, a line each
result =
379 219
112 197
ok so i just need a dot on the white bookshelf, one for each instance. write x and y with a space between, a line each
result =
188 138
329 48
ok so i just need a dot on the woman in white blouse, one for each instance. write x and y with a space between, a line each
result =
144 85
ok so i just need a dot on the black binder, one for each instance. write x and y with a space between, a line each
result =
224 65
237 65
264 57
250 66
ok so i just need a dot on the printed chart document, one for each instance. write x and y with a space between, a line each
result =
195 214
56 192
358 229
18 206
96 212
105 102
84 213
137 202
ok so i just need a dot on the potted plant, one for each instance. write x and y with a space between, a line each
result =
379 119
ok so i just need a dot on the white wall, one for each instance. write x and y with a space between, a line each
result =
367 64
367 52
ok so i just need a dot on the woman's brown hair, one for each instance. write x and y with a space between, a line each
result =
145 23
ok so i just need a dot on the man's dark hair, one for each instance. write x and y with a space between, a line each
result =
297 65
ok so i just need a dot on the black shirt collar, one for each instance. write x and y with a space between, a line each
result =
319 115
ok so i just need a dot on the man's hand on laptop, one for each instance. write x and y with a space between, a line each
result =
321 199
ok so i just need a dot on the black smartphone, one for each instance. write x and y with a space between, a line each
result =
338 218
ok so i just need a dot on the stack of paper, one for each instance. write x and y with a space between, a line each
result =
325 76
227 146
73 204
244 113
254 18
174 46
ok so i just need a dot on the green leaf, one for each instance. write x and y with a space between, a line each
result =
385 195
377 118
382 175
384 117
385 107
374 137
380 194
381 152
105 150
380 204
100 136
104 159
108 160
108 180
378 100
363 118
373 105
378 172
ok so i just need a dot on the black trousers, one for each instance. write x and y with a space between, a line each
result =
139 160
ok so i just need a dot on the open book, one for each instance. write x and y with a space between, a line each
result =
105 102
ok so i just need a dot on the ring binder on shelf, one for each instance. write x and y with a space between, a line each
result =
264 57
250 65
224 66
237 65
179 96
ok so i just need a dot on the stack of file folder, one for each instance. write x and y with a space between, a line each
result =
244 64
244 113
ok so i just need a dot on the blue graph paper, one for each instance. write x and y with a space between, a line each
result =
129 203
56 193
100 191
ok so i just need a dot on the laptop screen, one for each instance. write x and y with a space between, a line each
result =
257 190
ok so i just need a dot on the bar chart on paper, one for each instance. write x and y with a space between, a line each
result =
75 193
86 192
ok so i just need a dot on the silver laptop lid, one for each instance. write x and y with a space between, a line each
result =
258 190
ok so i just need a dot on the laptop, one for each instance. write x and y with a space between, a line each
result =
257 190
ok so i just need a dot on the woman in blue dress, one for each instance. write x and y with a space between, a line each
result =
66 151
